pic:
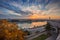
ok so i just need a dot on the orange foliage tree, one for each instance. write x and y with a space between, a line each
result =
9 31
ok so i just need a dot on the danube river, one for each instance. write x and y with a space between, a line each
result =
31 25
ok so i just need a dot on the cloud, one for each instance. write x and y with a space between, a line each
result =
13 13
33 8
50 8
53 9
9 13
28 7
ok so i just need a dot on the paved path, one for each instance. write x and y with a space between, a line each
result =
54 34
36 35
53 37
58 38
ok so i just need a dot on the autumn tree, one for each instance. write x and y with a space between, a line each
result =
9 31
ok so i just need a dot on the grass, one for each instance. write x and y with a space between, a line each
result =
41 37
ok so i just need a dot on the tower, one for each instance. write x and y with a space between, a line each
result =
49 18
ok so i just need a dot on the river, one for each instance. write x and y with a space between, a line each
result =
31 25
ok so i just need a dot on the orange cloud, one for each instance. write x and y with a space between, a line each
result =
38 16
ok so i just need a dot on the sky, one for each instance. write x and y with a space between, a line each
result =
25 9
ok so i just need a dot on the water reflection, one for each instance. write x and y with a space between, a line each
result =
31 25
35 24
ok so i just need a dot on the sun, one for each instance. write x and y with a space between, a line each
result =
34 16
